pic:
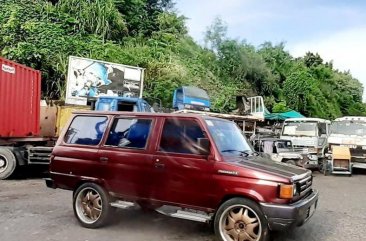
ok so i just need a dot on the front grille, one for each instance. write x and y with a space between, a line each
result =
358 151
304 186
358 154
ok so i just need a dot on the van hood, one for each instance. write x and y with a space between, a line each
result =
264 164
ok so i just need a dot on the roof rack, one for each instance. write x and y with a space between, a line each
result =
220 115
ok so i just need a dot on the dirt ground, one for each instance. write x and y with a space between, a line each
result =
30 211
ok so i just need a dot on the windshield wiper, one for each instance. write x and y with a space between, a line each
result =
242 153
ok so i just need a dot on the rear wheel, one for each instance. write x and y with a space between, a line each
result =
7 163
240 219
91 205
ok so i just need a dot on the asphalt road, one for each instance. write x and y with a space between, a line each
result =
30 211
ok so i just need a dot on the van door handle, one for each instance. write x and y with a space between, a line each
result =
103 159
158 164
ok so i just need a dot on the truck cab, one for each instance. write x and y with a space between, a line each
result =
188 166
126 104
308 135
191 98
350 131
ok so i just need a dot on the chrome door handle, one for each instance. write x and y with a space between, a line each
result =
103 159
158 164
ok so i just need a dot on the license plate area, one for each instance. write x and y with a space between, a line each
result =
311 210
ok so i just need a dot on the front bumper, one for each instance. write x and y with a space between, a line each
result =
310 163
360 165
281 217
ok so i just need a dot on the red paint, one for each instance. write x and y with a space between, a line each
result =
186 180
155 176
20 92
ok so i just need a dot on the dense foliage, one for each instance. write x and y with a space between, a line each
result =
149 34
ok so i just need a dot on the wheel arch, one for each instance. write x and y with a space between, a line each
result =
236 195
83 180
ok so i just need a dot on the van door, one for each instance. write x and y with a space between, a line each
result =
126 156
77 154
183 174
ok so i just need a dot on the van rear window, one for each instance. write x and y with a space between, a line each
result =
86 130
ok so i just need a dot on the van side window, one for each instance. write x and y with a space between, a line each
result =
86 130
180 136
129 133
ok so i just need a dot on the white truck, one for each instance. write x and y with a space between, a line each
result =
308 136
350 131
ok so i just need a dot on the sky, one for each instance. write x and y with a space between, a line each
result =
336 29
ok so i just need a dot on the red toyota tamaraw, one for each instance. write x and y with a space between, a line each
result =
186 166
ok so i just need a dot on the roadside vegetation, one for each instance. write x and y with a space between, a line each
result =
150 34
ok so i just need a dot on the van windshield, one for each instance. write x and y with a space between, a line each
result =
195 92
299 129
228 137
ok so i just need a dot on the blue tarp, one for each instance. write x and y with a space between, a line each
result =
282 116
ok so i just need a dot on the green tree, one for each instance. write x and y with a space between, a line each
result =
150 34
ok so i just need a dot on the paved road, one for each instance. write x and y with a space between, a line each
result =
30 211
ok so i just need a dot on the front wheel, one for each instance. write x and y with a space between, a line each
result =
91 205
240 219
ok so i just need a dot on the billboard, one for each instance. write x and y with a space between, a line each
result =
89 78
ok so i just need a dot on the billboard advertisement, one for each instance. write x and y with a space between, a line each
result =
89 78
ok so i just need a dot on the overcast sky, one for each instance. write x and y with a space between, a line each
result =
335 29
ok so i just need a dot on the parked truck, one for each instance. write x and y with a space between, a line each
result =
191 98
350 131
309 136
21 141
113 103
29 127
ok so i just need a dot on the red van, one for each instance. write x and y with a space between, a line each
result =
193 167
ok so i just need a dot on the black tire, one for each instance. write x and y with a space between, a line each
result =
8 163
254 212
105 211
291 162
322 166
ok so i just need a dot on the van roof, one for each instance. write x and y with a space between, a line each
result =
352 118
123 113
308 119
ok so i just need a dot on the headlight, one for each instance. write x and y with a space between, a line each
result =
313 150
313 157
207 109
187 106
287 191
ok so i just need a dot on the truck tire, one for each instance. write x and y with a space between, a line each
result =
290 162
8 163
240 219
91 205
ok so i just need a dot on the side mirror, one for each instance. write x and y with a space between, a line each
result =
204 145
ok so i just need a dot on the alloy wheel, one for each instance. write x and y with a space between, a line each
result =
240 223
